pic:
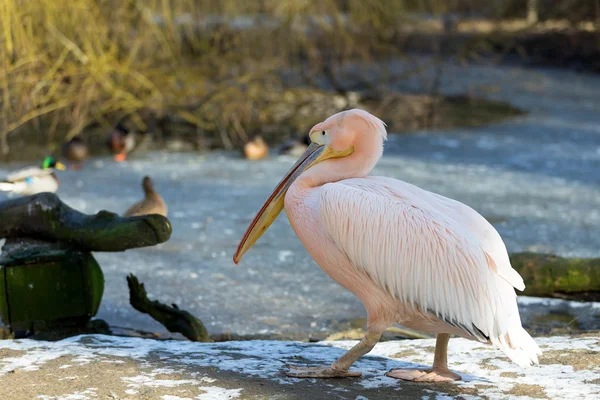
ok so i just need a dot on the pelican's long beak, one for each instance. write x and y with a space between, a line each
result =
60 166
314 154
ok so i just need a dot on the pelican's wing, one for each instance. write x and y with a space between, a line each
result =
489 239
28 172
418 248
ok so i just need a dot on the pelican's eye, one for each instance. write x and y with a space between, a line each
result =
320 137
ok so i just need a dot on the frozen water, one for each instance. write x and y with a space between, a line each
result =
537 176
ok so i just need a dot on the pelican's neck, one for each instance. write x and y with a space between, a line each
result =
335 170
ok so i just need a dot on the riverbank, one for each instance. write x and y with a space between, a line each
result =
551 43
298 110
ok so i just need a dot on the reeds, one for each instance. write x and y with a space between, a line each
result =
216 65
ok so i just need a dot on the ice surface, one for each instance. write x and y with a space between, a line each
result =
537 176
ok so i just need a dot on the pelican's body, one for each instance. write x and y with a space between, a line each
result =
411 256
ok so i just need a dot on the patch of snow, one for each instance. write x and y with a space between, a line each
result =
558 381
528 301
69 378
284 255
145 380
265 360
217 393
86 394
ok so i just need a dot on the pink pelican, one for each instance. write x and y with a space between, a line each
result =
411 256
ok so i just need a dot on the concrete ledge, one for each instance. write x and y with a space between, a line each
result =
110 367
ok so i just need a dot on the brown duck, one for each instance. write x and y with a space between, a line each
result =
256 149
153 203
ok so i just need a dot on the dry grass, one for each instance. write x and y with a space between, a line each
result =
68 65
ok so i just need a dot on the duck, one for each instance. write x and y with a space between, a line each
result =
152 203
121 141
75 151
34 180
294 147
256 149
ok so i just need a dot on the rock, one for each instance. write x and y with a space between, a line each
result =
44 285
547 275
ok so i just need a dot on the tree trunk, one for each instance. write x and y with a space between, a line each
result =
532 11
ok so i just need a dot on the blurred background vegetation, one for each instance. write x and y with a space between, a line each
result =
217 72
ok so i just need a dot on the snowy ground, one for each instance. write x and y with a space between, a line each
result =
536 177
108 367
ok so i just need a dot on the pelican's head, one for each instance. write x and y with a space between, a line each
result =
351 132
354 132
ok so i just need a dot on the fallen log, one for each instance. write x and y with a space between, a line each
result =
43 216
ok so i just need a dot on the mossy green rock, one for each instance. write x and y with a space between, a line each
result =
547 275
44 285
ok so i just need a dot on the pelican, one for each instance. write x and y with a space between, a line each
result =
411 256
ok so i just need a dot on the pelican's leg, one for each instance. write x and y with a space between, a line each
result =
438 373
339 369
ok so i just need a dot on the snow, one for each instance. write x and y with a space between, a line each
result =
528 301
217 393
481 366
86 394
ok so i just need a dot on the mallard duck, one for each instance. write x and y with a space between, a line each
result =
75 151
121 141
34 180
153 203
256 149
294 147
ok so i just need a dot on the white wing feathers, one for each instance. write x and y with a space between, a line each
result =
434 253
